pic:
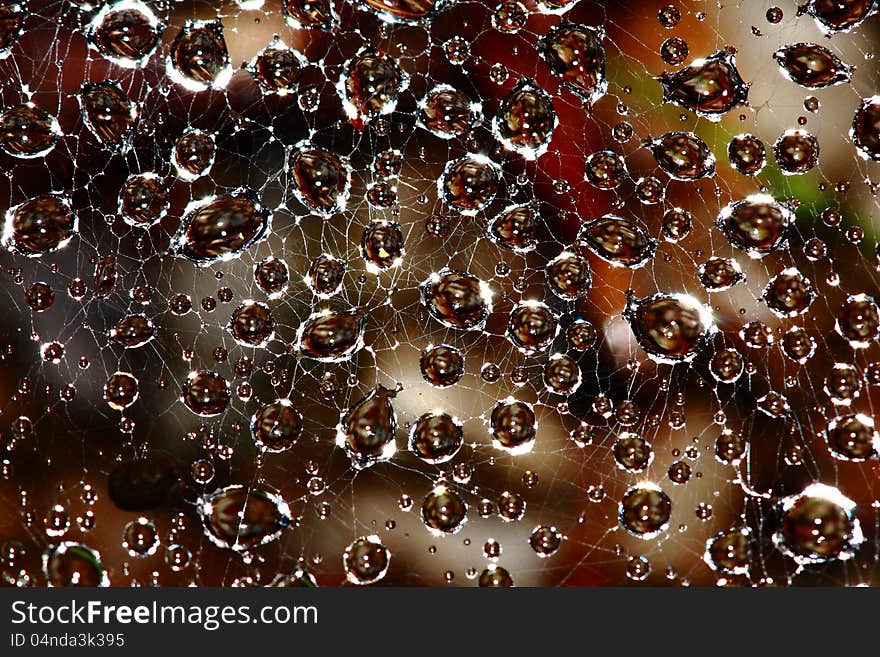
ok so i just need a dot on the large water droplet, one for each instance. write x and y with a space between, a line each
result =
331 336
441 365
74 564
382 245
193 154
789 293
515 228
513 426
366 560
457 299
670 327
839 15
865 130
252 324
308 13
469 184
41 225
444 511
621 242
709 87
532 326
206 393
28 131
526 120
126 33
199 59
366 430
133 331
143 200
370 85
796 151
276 426
108 112
817 525
242 518
859 321
852 437
222 227
575 53
436 437
683 155
757 224
811 65
447 112
644 510
321 179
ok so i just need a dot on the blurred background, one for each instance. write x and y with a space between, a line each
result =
58 460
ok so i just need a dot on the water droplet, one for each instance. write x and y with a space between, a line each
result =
321 179
74 564
457 299
859 321
272 275
632 452
108 112
865 130
133 331
789 293
532 326
621 242
331 336
276 426
683 155
366 560
193 154
444 511
370 85
839 15
41 225
671 328
796 151
562 375
812 66
644 511
436 437
526 120
817 525
729 552
199 59
717 274
441 365
747 154
709 87
242 518
126 33
221 227
757 224
852 437
576 55
143 200
469 183
515 228
206 393
513 426
121 390
302 14
252 324
366 430
28 131
382 245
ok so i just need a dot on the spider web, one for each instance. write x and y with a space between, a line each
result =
74 445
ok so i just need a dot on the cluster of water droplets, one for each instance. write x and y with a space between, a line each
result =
507 265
